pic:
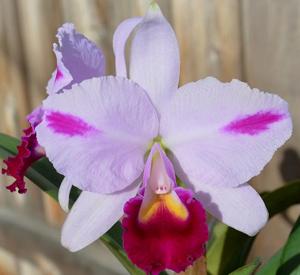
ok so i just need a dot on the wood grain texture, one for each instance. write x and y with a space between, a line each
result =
271 50
209 38
14 97
38 23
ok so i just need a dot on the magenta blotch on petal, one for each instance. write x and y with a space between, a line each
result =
67 124
228 131
124 120
254 124
59 75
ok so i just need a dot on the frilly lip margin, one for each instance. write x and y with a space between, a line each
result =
29 151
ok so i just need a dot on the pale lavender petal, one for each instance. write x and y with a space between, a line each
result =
241 207
61 76
97 134
167 163
64 194
92 215
223 133
77 59
120 38
36 116
154 62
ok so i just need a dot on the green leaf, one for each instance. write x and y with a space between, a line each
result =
272 265
231 247
290 257
282 198
248 269
287 259
45 177
120 255
9 143
227 251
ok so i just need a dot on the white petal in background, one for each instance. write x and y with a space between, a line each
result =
64 194
240 207
92 215
120 38
154 62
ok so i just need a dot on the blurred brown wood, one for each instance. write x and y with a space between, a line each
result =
14 94
271 48
209 38
29 247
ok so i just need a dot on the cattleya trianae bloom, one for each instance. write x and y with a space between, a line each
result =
123 140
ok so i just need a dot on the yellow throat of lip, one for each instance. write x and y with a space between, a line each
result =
169 202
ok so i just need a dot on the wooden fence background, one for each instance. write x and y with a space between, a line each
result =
257 41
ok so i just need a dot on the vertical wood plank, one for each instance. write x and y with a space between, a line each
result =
38 23
91 19
15 99
209 38
13 87
271 50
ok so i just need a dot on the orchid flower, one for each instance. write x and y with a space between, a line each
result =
123 140
77 59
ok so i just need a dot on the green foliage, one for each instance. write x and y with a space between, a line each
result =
248 269
287 260
272 265
290 256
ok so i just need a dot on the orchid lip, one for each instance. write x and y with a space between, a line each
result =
161 218
152 244
159 184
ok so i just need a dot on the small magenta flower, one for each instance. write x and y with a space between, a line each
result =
77 59
214 136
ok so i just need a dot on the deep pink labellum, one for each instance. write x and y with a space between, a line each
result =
165 241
